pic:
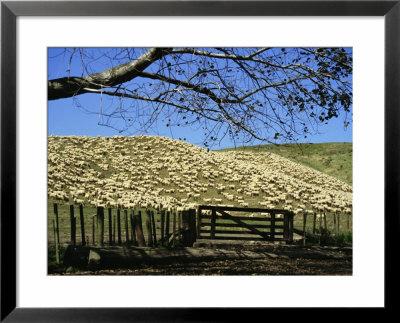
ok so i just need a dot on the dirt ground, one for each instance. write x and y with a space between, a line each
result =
237 267
282 261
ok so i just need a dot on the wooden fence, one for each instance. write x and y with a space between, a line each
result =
122 226
272 225
314 227
143 227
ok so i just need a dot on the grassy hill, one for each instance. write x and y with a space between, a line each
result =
159 173
334 159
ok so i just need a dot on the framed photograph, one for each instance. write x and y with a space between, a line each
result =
86 157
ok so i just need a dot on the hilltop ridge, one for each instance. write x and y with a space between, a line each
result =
332 158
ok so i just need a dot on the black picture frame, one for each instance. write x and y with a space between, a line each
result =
10 10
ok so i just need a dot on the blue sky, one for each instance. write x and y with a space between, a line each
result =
68 116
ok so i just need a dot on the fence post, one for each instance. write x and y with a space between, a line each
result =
132 218
198 224
119 225
286 224
56 233
114 225
162 226
192 226
213 219
325 225
153 222
100 225
291 219
348 221
110 225
73 225
188 227
126 226
173 229
314 222
139 229
338 222
320 229
148 228
179 215
167 225
97 224
272 229
320 224
334 223
304 227
185 228
82 221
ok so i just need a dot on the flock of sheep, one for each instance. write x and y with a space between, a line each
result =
162 173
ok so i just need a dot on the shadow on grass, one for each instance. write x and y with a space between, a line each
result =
326 238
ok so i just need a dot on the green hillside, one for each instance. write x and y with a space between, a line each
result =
334 158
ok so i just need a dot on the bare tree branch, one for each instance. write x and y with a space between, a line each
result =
268 94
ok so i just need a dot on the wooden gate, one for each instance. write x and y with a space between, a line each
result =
264 225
